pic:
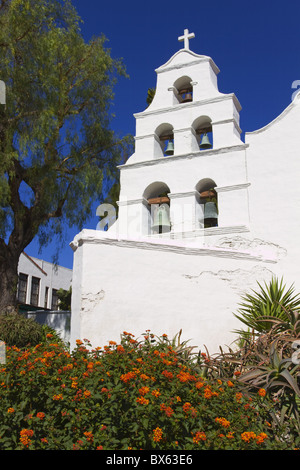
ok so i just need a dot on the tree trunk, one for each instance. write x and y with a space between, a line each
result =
8 281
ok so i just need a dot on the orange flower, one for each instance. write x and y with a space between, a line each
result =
186 407
40 415
142 401
247 436
157 434
185 377
144 390
89 436
155 393
224 422
230 384
10 410
57 397
238 397
199 384
261 437
25 434
262 392
208 393
144 377
199 436
87 393
126 377
167 409
167 374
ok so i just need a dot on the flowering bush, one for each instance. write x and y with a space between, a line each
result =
132 395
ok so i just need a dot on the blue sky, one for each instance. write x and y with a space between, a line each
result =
255 44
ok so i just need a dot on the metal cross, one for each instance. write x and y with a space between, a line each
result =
186 36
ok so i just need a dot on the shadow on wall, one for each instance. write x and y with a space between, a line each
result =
60 321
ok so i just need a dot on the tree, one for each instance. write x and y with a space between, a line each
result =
64 297
57 151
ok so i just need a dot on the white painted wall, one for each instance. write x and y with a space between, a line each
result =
133 286
51 276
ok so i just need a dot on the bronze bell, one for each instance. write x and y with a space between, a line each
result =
205 143
188 97
161 222
210 210
169 148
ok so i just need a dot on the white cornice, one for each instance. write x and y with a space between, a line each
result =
95 237
198 59
168 158
234 187
179 106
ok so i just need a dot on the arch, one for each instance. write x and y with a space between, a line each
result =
205 184
158 208
183 89
165 137
207 203
202 127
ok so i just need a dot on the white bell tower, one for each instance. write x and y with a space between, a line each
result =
187 142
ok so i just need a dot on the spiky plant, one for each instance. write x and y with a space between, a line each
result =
259 309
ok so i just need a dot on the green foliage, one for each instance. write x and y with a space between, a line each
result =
138 394
150 95
17 330
259 310
64 297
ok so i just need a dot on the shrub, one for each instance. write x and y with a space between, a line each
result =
271 302
17 330
131 395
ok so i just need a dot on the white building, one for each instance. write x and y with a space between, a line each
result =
198 225
39 282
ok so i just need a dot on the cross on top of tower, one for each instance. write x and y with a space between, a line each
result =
186 36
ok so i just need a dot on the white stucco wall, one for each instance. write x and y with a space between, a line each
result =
50 275
133 286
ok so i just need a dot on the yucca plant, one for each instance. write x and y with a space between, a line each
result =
260 308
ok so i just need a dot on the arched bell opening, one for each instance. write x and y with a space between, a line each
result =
165 137
183 90
158 205
207 203
203 132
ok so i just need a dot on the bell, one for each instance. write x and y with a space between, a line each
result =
205 143
210 211
170 148
161 221
188 97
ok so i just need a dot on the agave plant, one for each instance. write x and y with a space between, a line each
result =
280 378
259 309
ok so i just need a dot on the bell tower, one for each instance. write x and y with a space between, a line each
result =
188 170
